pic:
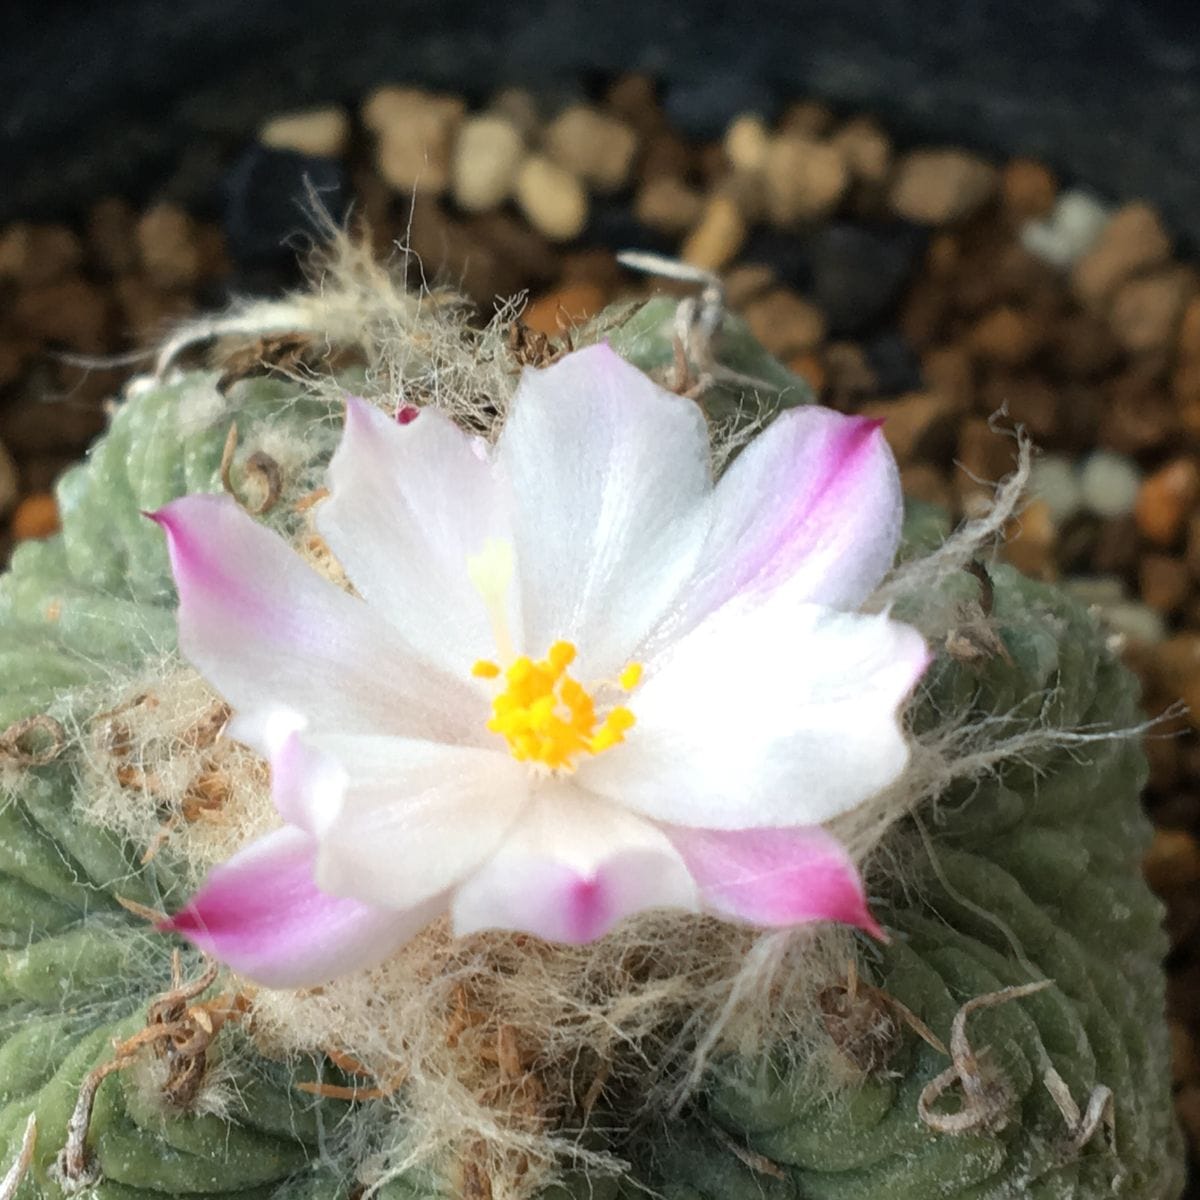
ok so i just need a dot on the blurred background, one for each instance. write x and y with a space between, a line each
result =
958 216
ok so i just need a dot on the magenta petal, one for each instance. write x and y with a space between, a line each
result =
776 877
270 634
560 903
261 914
572 868
813 504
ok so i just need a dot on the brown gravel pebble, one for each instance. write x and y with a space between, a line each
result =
1133 241
1185 392
70 312
414 137
1028 189
145 310
1187 1109
1166 500
32 255
849 376
810 118
984 456
168 247
1006 336
917 426
111 236
718 237
1185 1057
923 482
1115 548
1146 311
743 283
8 481
1188 346
1027 398
804 179
1172 861
941 187
785 323
1030 541
666 154
865 148
950 371
1084 346
634 98
1163 582
36 517
1139 416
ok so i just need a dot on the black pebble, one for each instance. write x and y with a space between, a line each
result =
785 253
612 224
703 108
859 271
269 207
895 363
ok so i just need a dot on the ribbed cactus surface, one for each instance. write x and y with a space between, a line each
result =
1031 872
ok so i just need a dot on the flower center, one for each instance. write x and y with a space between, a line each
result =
547 716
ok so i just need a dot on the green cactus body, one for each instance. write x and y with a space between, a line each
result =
1030 872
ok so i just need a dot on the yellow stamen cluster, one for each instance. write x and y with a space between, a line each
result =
549 717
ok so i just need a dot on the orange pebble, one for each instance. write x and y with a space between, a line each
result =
563 307
1166 500
36 517
810 367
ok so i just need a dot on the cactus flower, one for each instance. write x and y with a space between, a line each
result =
575 679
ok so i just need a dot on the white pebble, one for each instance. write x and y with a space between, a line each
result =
486 157
1109 483
318 132
1069 231
747 143
1055 479
552 199
1136 621
1097 591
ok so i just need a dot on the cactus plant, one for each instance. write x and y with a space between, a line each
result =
939 1072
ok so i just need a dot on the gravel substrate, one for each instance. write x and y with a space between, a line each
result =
954 297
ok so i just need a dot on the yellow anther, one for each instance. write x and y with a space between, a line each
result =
630 677
520 672
561 656
549 717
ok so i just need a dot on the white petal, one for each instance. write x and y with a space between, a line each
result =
765 714
610 474
572 868
409 506
414 817
813 505
272 635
